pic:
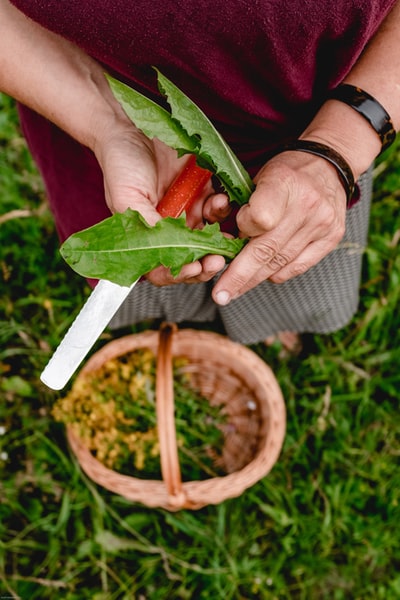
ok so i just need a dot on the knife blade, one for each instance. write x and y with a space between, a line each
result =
107 297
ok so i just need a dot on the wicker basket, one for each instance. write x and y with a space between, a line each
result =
227 374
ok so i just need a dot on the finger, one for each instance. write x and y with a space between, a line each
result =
216 208
310 256
161 276
267 206
211 265
262 256
276 252
259 259
196 272
268 254
202 270
293 260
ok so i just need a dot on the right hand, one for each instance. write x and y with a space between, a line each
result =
72 92
137 172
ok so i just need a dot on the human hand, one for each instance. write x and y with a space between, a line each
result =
137 172
295 217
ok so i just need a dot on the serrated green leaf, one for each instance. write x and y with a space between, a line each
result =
151 118
188 130
124 247
213 151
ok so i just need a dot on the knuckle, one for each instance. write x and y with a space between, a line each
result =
265 220
264 251
329 216
335 235
340 231
279 278
295 270
299 269
278 261
237 280
258 220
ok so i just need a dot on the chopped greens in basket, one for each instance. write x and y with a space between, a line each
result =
113 411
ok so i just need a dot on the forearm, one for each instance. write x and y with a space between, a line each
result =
378 73
54 77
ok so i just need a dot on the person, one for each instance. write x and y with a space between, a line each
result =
306 95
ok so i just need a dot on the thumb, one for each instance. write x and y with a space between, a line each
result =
134 199
265 209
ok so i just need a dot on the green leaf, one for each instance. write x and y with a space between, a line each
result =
188 130
124 247
214 152
151 118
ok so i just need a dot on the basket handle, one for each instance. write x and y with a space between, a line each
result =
170 468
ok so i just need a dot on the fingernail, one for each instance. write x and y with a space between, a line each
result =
223 297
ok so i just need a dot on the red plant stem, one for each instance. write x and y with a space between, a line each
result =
184 190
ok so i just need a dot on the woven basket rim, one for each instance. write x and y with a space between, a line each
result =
199 493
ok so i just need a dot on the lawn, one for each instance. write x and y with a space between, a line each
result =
325 524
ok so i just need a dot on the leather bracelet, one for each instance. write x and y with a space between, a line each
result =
334 158
369 108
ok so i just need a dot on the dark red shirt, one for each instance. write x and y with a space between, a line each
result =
259 69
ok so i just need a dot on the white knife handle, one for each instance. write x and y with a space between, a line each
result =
107 297
93 318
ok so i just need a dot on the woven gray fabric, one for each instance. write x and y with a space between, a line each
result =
322 300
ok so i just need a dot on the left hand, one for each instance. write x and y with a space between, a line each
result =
295 217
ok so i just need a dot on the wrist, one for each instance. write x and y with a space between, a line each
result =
336 160
347 132
369 108
101 116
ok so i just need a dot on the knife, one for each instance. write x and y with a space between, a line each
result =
107 297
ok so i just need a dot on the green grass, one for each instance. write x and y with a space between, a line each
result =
323 525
